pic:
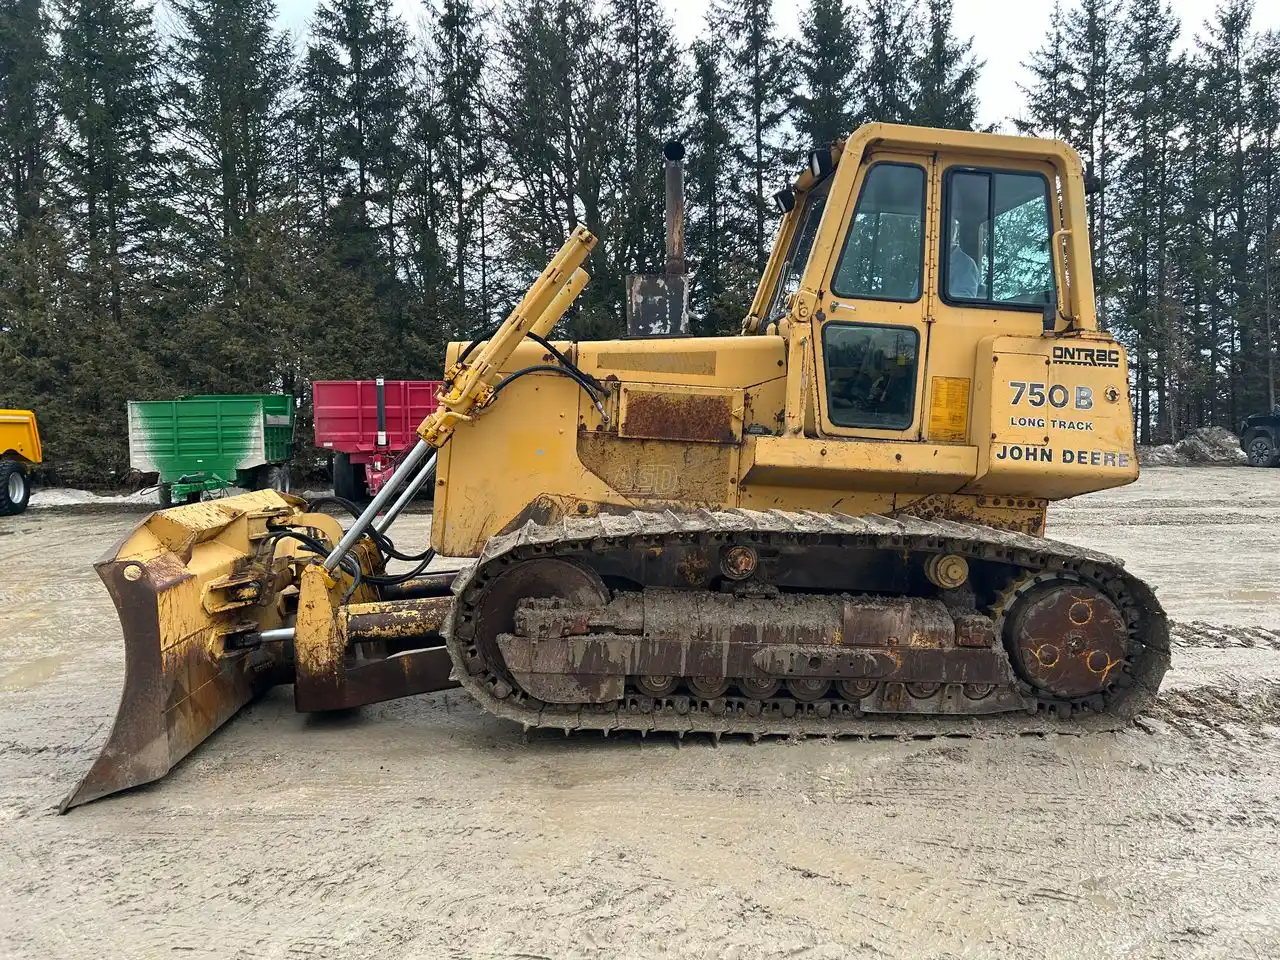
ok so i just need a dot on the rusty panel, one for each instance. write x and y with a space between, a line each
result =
694 475
1020 514
681 413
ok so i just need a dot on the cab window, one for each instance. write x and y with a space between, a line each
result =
883 256
998 230
871 375
801 245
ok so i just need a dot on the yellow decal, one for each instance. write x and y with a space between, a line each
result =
949 410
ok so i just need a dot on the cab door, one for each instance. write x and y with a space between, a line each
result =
874 337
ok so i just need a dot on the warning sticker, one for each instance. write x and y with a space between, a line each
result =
949 410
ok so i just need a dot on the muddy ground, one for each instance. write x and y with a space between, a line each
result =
424 828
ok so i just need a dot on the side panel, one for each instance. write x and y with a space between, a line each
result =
678 409
346 413
1057 416
206 436
18 435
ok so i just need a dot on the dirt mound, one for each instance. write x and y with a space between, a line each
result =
1213 446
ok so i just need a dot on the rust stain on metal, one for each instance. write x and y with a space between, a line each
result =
738 562
693 569
396 619
679 416
1017 514
666 634
1069 638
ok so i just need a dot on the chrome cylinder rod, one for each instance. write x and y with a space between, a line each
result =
394 482
276 634
425 476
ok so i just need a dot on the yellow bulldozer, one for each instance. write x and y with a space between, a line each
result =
831 524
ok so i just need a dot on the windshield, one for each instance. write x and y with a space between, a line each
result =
798 252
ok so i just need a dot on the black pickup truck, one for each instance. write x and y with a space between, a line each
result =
1260 438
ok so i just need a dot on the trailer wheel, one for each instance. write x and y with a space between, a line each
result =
348 479
15 488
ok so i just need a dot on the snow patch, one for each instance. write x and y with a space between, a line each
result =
1216 446
52 497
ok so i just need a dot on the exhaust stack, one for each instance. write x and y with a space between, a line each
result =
658 303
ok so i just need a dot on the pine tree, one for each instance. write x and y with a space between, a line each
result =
1224 54
319 165
826 105
1264 83
110 180
944 74
108 66
1092 43
1048 109
459 55
558 115
429 273
885 82
26 115
32 260
371 46
759 73
715 305
1147 211
649 65
355 83
230 73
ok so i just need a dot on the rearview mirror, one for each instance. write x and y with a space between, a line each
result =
1092 182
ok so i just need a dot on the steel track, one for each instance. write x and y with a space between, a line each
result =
1026 556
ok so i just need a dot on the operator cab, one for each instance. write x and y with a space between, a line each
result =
908 259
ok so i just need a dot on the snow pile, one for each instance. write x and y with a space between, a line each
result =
52 497
1216 446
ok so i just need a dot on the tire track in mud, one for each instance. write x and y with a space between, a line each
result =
1234 711
1217 712
1198 633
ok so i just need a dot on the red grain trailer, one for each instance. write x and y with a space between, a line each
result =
368 424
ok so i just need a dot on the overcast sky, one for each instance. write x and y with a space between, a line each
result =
1004 34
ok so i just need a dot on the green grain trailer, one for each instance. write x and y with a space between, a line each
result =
212 442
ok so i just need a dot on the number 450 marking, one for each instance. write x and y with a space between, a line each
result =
1057 395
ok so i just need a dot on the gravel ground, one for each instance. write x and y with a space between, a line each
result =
425 828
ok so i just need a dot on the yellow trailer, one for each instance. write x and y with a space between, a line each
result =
19 451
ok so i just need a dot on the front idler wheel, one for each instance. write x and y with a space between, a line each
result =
545 578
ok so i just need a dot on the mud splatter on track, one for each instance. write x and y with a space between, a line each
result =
424 828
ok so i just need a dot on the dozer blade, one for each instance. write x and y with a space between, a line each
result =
188 583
